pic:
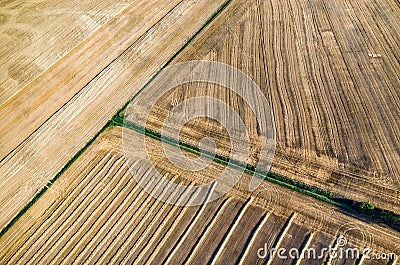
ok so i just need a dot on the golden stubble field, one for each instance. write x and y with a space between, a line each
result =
67 105
331 73
96 212
329 69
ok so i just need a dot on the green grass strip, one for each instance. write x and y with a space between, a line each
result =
173 57
365 209
51 181
119 112
247 168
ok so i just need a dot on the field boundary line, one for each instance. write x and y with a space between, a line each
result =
124 51
351 207
39 194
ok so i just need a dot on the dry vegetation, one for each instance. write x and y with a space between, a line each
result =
36 34
330 70
96 212
336 107
56 126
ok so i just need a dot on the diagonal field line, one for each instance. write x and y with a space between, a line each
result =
14 219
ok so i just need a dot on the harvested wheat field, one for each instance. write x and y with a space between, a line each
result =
97 213
89 136
336 108
33 141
